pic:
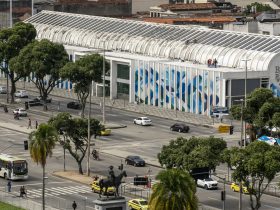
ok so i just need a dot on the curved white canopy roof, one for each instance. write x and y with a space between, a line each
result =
158 40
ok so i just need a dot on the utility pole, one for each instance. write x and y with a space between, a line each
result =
103 116
224 197
89 137
245 95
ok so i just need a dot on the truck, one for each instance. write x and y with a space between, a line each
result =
207 183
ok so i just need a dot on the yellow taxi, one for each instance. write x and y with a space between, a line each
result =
235 187
96 188
106 132
138 204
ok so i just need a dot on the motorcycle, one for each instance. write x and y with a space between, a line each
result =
95 155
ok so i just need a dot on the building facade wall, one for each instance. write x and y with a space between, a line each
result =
144 5
177 87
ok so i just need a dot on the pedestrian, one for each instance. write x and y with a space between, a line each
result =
36 124
209 62
74 205
9 185
29 124
215 62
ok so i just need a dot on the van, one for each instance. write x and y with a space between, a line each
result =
3 90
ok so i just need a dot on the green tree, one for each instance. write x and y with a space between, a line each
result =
12 40
44 59
87 69
276 120
75 134
41 143
175 190
260 108
256 166
195 152
259 7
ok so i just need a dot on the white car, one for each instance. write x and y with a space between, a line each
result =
3 90
21 94
207 183
21 111
142 121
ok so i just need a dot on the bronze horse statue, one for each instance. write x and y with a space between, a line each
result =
105 183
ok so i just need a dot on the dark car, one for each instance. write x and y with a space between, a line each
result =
48 100
34 102
74 105
134 160
179 127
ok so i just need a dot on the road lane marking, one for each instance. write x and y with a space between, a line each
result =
213 198
272 207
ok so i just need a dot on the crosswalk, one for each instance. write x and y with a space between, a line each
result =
57 191
6 132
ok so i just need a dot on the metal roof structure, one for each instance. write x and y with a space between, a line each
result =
187 43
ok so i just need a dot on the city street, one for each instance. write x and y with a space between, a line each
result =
134 139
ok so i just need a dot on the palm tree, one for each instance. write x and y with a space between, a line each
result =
41 143
175 191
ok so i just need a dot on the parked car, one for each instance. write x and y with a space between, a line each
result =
96 188
134 160
180 127
74 105
34 102
138 204
235 188
207 183
142 121
49 100
3 90
21 94
21 111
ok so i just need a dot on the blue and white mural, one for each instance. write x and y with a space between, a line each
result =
177 87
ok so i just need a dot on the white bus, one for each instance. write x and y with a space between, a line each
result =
13 168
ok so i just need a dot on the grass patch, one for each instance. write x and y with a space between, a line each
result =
6 206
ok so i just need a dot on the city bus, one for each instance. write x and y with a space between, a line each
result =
13 168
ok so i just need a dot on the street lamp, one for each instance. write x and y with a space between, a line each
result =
62 131
103 116
89 137
245 94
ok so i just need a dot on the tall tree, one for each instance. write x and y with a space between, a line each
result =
44 59
12 40
259 111
87 69
75 133
175 190
256 166
196 152
41 143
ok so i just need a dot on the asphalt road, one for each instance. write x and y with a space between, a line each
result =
144 141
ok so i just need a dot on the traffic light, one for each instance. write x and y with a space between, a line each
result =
231 130
25 145
223 195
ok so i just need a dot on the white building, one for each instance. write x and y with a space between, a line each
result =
166 65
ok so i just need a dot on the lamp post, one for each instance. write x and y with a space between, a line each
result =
89 137
103 116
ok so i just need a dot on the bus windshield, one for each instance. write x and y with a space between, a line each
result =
20 167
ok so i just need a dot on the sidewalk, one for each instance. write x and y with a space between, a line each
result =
124 105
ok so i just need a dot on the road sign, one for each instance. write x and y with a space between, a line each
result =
224 128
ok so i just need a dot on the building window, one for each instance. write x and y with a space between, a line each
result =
264 82
122 71
122 88
266 33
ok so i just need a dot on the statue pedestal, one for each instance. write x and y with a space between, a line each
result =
116 203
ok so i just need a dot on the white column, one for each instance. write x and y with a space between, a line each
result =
214 89
131 82
223 92
139 89
175 88
208 93
169 70
154 85
186 90
191 94
197 92
149 85
181 89
202 93
144 81
113 80
159 84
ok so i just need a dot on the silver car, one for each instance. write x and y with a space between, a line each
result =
142 121
21 111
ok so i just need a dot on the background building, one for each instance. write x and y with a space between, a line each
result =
167 65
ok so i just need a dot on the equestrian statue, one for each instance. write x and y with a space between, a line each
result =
111 181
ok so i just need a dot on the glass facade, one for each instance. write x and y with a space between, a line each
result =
122 71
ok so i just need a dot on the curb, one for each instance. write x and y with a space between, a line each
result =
63 177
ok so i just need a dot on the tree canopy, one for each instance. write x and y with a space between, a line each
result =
44 59
75 134
256 166
196 152
85 70
12 41
260 109
175 190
